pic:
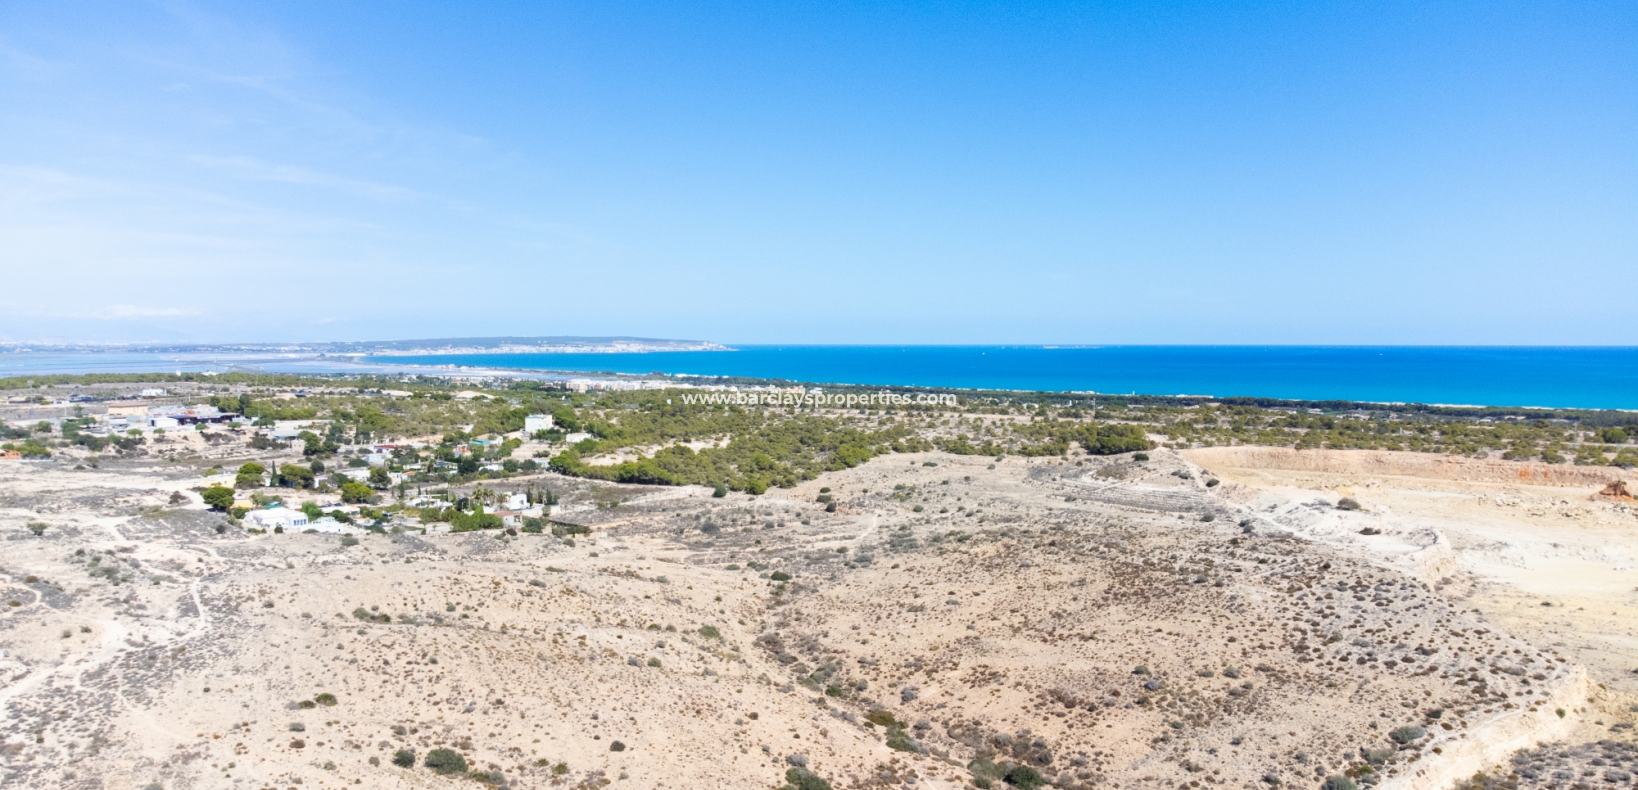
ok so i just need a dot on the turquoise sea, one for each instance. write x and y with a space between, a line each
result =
1584 377
1579 377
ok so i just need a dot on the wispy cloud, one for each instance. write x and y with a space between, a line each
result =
258 170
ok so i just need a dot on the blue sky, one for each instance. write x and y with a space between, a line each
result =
821 173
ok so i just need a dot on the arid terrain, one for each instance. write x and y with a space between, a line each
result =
1103 622
1530 546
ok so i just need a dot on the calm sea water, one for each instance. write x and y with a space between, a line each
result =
1534 376
1494 376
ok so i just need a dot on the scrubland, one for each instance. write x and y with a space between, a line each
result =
1237 617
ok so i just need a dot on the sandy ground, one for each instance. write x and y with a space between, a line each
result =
1553 563
1527 546
1105 622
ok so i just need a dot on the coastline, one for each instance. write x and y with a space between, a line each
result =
1603 378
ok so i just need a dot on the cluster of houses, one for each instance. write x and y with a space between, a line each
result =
123 416
279 518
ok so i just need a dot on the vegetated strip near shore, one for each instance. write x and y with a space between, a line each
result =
652 436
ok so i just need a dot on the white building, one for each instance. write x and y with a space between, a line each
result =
288 518
537 422
331 526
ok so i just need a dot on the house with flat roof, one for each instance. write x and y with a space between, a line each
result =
288 518
127 408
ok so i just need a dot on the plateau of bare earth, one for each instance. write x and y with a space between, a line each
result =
1531 547
1102 622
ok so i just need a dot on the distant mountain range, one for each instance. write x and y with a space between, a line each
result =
449 345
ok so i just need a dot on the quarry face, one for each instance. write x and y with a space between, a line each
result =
953 621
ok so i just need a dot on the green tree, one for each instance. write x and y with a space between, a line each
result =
565 418
218 497
295 476
353 492
1107 439
379 478
250 476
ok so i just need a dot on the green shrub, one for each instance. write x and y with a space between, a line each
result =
803 779
898 741
779 576
1024 777
445 761
326 699
1406 734
1338 783
984 769
1348 503
882 718
349 540
710 632
616 746
403 758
